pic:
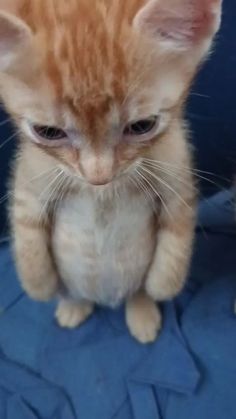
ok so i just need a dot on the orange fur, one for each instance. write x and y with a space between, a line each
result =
91 70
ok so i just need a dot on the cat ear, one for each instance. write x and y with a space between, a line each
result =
180 24
10 6
15 37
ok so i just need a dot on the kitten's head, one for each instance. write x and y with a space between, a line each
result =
97 84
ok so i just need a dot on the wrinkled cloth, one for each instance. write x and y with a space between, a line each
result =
100 371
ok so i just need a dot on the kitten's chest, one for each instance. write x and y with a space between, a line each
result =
103 247
99 223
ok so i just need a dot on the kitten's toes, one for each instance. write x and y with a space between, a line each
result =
70 314
144 320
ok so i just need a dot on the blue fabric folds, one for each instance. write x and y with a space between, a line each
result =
100 371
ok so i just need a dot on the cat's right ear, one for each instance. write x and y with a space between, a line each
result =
181 26
15 37
10 6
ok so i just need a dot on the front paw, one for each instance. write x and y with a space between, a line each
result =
43 290
143 318
145 326
161 288
71 314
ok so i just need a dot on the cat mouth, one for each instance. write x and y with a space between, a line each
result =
100 183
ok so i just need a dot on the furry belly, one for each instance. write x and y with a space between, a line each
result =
103 251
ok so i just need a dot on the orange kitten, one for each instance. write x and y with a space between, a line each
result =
104 202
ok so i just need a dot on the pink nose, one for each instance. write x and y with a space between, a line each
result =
99 182
97 169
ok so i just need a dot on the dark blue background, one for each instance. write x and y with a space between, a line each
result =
211 110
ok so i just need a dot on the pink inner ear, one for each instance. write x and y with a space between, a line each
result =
182 22
10 6
9 34
13 34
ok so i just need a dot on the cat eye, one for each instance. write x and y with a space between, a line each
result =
49 133
141 127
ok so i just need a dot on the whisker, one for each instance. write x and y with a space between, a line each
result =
171 173
199 94
168 187
155 192
206 200
9 139
194 172
5 122
46 191
148 196
178 167
61 192
56 192
48 186
137 185
11 194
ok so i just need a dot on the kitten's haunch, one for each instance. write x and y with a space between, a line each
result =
103 206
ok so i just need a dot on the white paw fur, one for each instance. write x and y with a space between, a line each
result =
143 319
70 314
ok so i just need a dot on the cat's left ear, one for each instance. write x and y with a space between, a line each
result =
15 38
181 25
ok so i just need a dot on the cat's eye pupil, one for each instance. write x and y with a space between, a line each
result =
49 133
140 127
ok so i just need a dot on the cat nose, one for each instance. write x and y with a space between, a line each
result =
99 181
97 168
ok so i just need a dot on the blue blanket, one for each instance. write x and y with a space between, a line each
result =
100 371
